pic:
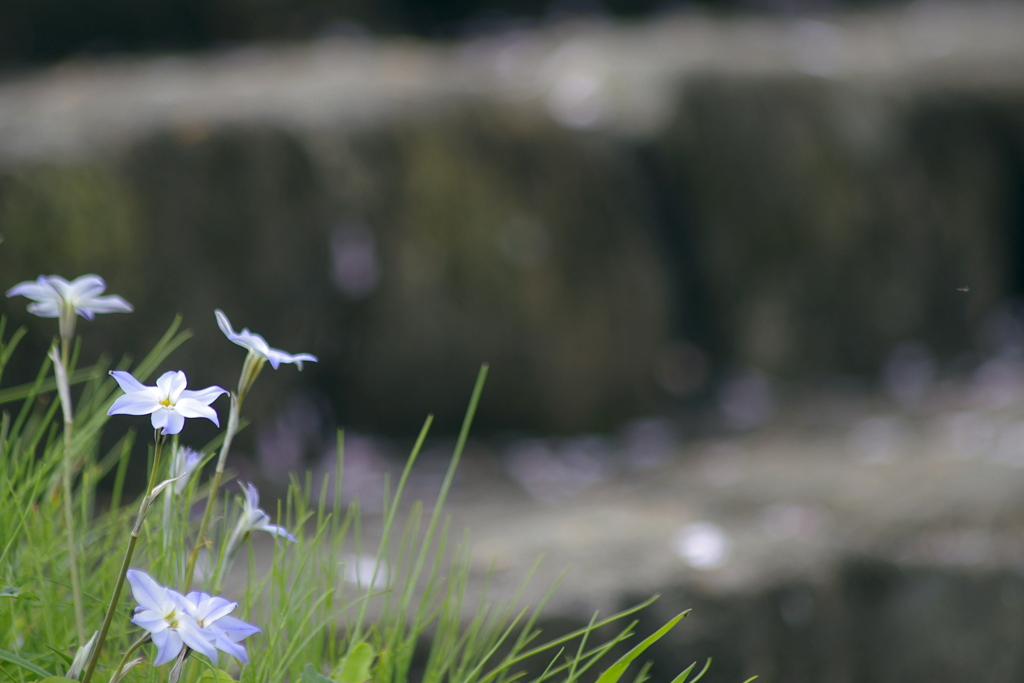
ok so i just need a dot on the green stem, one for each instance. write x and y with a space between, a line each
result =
69 521
143 507
211 499
69 515
134 646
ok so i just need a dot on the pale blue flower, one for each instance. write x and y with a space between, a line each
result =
258 345
165 614
168 403
251 519
183 464
255 519
224 632
54 297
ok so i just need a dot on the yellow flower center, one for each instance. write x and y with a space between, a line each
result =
166 402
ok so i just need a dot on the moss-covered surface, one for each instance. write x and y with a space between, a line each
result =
511 241
70 220
833 221
825 222
497 238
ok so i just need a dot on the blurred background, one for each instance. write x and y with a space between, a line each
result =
748 275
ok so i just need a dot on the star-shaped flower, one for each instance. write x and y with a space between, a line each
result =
183 463
168 403
251 519
165 614
54 297
258 345
223 632
255 519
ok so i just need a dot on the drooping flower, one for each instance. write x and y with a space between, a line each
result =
183 464
81 658
165 614
168 403
251 519
255 519
226 633
258 345
54 297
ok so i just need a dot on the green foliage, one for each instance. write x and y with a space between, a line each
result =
310 675
311 618
355 666
615 671
25 664
216 676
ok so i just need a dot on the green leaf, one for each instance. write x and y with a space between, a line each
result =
68 659
25 664
216 676
355 666
613 673
310 675
681 678
21 391
9 592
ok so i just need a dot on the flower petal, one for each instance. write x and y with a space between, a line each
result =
159 418
168 645
150 620
173 423
252 496
39 289
212 609
222 322
245 338
86 286
45 309
134 404
184 604
189 407
127 381
194 637
253 341
146 591
277 531
63 288
234 649
103 304
277 356
171 384
205 396
235 629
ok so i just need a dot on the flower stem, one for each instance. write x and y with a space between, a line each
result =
69 522
134 646
64 391
234 542
211 499
133 539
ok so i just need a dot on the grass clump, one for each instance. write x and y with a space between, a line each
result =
65 608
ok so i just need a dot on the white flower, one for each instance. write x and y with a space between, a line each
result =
183 463
258 345
82 658
165 614
224 633
251 519
255 519
55 297
169 402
